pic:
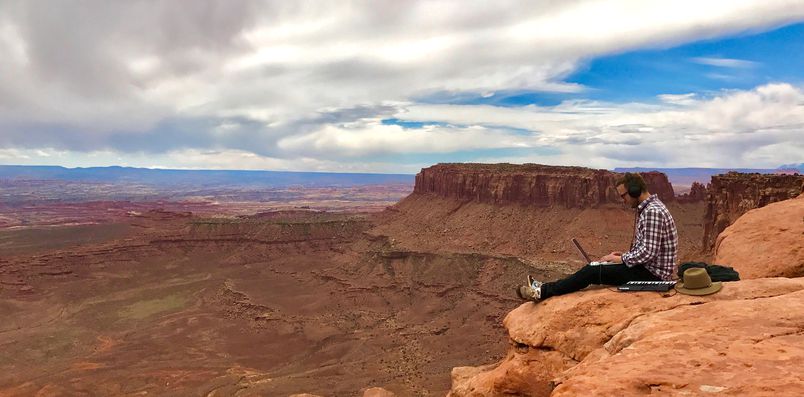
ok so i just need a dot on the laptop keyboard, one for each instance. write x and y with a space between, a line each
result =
647 286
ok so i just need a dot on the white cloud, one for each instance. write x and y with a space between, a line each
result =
725 62
736 128
757 128
311 79
679 99
375 139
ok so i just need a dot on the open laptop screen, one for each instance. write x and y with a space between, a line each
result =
580 249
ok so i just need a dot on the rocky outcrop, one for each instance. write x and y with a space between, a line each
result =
696 194
766 242
378 392
747 339
530 184
733 194
370 392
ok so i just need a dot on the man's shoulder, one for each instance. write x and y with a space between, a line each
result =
657 213
656 207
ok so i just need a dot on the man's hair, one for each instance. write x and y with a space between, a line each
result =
632 179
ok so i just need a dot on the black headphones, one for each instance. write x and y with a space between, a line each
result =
634 190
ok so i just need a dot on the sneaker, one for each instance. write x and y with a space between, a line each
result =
528 293
535 284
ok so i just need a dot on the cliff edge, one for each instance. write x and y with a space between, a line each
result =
747 339
531 184
733 194
529 211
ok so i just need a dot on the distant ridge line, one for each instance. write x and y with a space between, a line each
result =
118 174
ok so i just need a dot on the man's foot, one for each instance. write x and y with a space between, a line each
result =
537 285
529 293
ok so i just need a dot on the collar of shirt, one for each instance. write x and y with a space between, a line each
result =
645 203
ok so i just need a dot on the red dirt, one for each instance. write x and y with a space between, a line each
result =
156 300
276 304
191 306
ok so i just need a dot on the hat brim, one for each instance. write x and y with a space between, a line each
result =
715 287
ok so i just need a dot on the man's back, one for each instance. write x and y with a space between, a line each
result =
655 239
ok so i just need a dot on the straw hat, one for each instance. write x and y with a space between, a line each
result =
696 281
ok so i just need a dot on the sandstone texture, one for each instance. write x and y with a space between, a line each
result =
378 392
766 242
748 339
530 184
733 194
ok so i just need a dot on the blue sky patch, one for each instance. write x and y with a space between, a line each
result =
411 124
736 62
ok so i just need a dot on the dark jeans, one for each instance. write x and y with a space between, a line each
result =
603 274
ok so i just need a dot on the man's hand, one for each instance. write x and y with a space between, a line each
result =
615 256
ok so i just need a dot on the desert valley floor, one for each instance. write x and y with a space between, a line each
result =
283 305
164 303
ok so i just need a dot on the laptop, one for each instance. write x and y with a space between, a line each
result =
586 258
661 286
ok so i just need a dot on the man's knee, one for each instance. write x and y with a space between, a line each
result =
589 272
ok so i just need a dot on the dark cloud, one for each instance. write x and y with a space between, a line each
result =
82 47
176 133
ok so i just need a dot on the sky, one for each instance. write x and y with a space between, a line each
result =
395 86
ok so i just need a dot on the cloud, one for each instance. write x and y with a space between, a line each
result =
285 81
679 99
725 62
733 128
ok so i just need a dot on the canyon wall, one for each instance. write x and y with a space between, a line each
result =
733 194
531 184
528 211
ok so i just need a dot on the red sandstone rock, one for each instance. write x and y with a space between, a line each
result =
734 194
530 184
378 392
744 340
766 242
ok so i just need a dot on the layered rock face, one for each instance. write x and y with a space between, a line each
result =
531 184
766 242
733 194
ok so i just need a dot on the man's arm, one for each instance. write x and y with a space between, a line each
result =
646 248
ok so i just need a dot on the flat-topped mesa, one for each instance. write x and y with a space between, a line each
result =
733 194
531 184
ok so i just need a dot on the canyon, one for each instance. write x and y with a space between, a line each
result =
417 297
733 194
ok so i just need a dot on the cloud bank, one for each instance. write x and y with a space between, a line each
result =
307 85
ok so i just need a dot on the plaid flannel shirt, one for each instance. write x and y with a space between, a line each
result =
655 243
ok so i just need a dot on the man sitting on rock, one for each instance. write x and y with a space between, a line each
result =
652 256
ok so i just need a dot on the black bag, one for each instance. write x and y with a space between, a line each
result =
716 272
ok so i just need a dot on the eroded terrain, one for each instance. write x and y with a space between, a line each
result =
273 304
